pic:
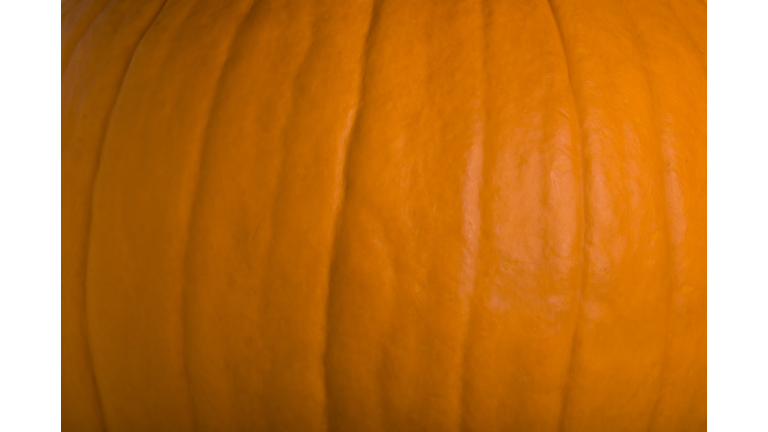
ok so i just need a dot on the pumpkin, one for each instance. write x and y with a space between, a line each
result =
384 215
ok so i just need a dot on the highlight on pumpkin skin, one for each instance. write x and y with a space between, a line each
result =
383 215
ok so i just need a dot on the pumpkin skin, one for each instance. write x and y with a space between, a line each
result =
384 216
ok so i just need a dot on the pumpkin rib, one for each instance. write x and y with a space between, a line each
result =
260 369
177 21
642 49
614 174
338 217
91 203
570 368
283 174
194 204
284 179
290 117
668 157
66 54
472 301
83 135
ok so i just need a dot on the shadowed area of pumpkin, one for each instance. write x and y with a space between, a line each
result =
383 215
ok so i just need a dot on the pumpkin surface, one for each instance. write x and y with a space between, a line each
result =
387 215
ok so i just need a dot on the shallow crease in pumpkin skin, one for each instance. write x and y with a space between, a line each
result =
473 228
101 422
584 256
651 421
194 204
339 205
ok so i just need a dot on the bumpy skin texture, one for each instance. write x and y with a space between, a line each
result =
393 215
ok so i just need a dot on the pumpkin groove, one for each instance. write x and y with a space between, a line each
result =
384 215
90 96
570 363
353 130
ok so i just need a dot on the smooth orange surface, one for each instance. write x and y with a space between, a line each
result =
384 216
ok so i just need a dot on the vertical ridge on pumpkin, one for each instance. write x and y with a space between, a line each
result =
477 236
93 190
137 262
679 142
314 145
194 204
106 58
349 407
229 247
437 230
663 188
625 290
583 262
377 308
276 276
343 379
340 204
527 257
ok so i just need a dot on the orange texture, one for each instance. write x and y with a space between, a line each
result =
387 215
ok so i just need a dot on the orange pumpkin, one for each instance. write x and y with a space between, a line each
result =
384 215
